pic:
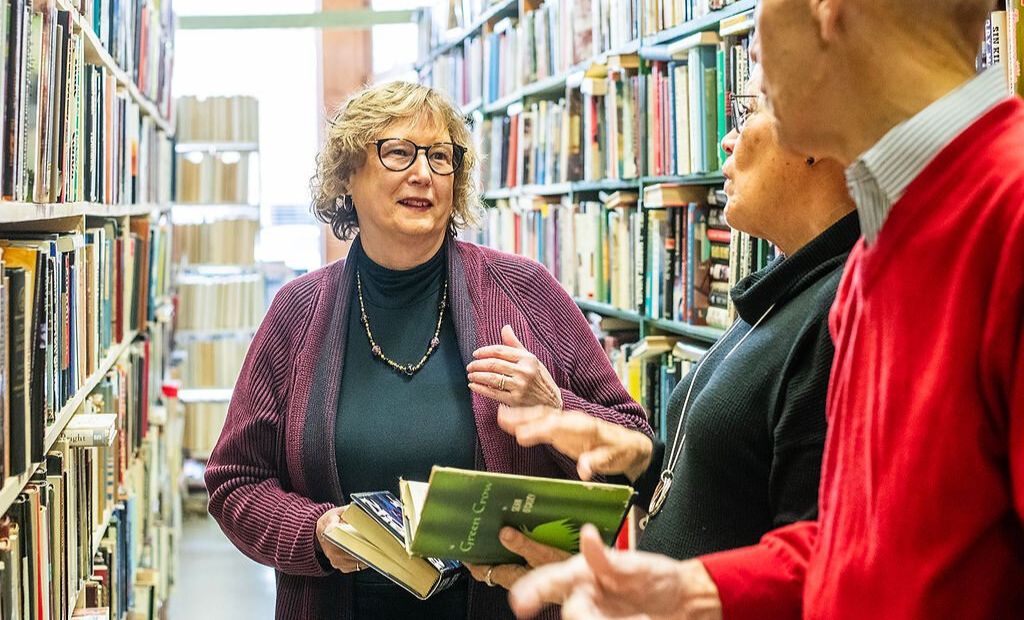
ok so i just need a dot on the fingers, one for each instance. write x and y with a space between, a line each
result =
510 418
508 337
497 381
499 351
492 364
535 553
505 398
573 431
593 550
548 584
603 460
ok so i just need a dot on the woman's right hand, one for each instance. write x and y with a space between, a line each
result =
339 559
597 446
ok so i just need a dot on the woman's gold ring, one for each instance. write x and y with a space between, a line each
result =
501 384
487 577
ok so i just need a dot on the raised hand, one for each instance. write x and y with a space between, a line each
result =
598 447
511 375
602 584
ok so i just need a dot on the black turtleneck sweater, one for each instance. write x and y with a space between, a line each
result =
755 428
391 425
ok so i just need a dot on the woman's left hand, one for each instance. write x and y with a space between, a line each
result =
533 552
511 375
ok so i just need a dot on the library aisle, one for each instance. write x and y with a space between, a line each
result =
155 196
215 575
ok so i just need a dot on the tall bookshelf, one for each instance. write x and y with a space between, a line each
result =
221 287
90 518
599 124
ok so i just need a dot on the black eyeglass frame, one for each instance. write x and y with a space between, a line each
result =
740 110
458 155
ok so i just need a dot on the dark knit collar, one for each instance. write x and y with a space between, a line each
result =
786 276
393 288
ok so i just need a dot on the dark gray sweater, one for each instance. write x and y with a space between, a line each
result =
756 424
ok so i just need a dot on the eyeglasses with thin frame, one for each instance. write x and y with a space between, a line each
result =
742 107
398 154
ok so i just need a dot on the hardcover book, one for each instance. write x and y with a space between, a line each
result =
458 513
372 531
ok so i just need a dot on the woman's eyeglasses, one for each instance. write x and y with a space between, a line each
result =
742 107
398 154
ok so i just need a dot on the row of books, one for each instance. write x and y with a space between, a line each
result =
139 36
69 135
60 559
67 299
222 178
594 131
217 119
213 362
216 241
665 14
674 259
535 45
220 302
1004 43
203 423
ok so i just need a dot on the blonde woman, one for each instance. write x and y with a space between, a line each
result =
394 360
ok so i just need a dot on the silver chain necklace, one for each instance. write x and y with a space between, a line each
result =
665 483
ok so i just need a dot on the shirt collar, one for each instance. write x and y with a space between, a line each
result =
879 177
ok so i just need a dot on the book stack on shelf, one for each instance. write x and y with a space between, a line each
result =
1004 43
86 505
221 290
600 125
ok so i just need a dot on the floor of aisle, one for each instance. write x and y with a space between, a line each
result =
216 581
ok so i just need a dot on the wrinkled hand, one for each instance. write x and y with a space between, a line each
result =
338 558
535 554
600 584
597 446
511 375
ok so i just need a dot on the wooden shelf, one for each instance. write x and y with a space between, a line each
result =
15 212
14 486
216 147
715 178
696 332
708 22
96 54
188 335
497 10
597 307
205 395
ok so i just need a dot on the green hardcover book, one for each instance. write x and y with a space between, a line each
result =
458 514
723 124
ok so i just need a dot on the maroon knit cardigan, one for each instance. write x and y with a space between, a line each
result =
273 472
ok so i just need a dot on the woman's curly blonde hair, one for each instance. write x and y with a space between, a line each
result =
363 118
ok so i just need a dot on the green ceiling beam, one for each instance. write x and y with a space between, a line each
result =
358 19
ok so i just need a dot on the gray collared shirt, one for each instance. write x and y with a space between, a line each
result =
881 175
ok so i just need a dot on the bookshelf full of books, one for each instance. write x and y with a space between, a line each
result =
220 287
89 516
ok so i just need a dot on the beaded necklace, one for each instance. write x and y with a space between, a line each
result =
408 369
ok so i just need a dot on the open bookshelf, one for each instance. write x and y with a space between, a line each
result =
221 286
86 307
599 125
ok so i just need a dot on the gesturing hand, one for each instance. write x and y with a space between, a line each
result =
511 375
338 558
598 447
535 553
600 584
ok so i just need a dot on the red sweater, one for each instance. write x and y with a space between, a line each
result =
922 490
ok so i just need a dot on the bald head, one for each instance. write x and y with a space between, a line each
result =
961 20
